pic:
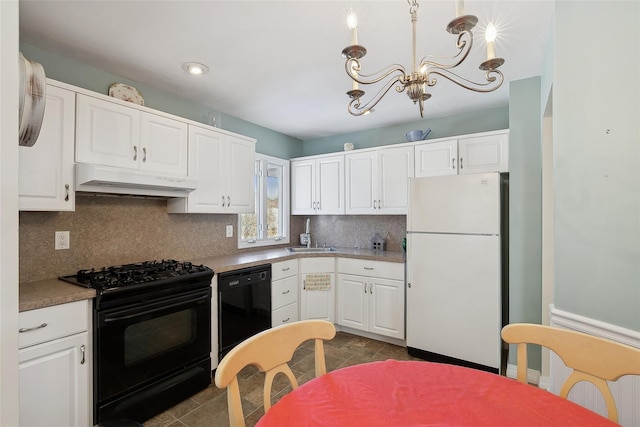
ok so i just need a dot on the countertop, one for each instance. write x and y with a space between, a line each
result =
45 293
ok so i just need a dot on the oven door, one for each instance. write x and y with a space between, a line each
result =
140 343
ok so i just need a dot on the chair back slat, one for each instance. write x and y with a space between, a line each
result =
593 359
270 351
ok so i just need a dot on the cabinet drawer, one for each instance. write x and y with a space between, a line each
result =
283 315
362 267
283 269
284 291
59 320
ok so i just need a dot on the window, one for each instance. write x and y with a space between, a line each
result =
269 224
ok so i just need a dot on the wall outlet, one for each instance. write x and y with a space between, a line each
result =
62 240
229 230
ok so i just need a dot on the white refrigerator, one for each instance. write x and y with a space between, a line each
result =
457 269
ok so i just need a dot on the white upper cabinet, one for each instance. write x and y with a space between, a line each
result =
486 153
437 158
111 134
317 185
377 180
45 181
480 153
223 165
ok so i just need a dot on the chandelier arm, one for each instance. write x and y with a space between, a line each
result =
494 78
366 79
464 48
356 107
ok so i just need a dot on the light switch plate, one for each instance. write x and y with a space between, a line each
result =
229 230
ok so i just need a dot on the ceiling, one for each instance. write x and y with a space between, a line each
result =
278 64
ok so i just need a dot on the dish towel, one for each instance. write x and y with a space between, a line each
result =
317 282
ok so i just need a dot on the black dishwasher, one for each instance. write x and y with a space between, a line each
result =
244 305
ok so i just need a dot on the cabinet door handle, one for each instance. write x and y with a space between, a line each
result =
365 288
135 153
83 351
375 204
286 292
144 154
286 320
318 205
228 201
379 204
66 192
461 167
453 163
223 201
43 325
371 288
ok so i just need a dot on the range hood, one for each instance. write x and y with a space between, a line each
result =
103 179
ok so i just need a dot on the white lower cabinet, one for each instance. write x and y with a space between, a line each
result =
284 292
54 366
371 296
314 303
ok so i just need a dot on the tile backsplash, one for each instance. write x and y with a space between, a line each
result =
108 231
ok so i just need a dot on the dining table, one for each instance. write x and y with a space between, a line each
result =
420 393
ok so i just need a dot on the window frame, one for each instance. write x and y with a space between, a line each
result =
261 162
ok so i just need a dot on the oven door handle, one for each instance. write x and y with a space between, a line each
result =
113 317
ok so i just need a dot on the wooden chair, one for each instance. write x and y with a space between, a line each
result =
592 359
270 351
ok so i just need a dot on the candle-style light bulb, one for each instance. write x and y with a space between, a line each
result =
459 8
352 23
490 37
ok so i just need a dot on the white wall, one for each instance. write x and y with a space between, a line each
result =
9 213
596 137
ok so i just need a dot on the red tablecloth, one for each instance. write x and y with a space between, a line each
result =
409 394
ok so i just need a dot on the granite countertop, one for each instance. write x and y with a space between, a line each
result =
45 293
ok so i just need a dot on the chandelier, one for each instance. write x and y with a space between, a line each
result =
424 74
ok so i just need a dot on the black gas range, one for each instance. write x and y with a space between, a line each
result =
151 336
116 282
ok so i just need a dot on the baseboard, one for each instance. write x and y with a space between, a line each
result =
533 376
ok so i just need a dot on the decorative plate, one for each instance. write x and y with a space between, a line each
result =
126 93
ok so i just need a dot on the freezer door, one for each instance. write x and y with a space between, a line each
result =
453 296
466 204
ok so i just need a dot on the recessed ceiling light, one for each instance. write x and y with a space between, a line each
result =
195 68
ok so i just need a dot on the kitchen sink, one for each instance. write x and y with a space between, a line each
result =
304 249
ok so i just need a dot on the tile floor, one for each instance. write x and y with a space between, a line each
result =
209 407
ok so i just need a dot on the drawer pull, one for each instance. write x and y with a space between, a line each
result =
368 268
286 292
82 350
286 320
286 269
21 330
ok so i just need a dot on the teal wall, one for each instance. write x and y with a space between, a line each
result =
596 161
525 207
460 124
62 69
269 142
